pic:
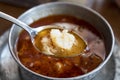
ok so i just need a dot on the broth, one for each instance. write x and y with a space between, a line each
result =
63 67
46 45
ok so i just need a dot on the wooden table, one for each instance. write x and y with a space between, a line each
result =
107 8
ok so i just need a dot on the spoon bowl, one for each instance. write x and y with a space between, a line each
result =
33 32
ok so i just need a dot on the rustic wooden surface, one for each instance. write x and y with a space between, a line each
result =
107 8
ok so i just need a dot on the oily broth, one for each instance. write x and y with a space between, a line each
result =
62 67
77 48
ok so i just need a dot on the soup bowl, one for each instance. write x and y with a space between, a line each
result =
57 8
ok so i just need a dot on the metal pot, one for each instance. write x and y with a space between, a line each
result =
79 11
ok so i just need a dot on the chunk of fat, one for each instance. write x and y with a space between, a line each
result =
59 66
62 39
47 49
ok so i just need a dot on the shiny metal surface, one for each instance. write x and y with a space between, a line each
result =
9 69
69 9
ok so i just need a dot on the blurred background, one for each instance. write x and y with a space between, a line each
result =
109 9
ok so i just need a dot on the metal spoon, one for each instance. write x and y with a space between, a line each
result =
34 31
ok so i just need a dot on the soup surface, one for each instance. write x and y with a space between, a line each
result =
62 67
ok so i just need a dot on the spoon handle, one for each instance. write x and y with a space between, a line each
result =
16 21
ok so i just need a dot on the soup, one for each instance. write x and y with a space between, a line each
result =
57 66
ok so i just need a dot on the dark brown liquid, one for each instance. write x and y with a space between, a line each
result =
62 67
